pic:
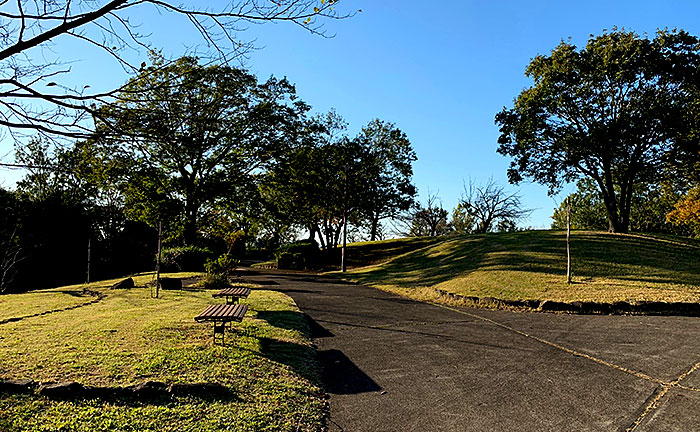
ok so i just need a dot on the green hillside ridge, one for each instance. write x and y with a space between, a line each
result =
531 265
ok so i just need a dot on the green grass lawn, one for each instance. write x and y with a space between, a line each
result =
128 338
532 265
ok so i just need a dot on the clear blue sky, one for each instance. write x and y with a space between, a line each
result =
439 70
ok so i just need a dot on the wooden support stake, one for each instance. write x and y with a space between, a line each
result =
87 278
568 240
160 248
343 264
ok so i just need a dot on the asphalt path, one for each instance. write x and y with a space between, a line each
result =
393 364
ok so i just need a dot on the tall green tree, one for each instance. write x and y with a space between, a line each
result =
195 132
388 166
611 112
366 178
650 205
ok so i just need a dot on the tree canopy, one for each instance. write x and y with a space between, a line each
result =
195 134
614 111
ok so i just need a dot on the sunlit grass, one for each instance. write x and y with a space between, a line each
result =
532 266
128 337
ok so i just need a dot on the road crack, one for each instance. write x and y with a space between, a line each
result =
650 407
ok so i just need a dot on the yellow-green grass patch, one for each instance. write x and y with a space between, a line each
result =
127 338
532 266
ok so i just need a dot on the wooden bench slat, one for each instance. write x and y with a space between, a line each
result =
233 292
222 312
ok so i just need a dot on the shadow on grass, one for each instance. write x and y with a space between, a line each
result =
338 374
300 358
601 255
291 320
158 394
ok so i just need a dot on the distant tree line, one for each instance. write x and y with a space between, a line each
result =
482 208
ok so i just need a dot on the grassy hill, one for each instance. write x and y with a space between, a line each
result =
124 337
532 265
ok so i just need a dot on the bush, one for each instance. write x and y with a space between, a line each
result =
218 271
215 281
184 258
298 255
223 265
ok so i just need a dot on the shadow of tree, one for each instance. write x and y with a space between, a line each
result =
341 376
638 257
300 358
292 320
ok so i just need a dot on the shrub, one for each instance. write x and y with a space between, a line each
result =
298 255
215 281
218 271
223 265
184 258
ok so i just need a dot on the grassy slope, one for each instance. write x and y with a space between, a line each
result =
532 265
129 338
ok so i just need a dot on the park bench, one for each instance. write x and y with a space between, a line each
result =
232 294
222 315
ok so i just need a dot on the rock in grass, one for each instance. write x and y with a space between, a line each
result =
170 283
124 284
62 390
16 386
149 389
198 389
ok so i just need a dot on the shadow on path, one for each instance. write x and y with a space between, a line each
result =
341 376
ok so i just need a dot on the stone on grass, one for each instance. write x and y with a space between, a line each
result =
170 283
16 386
62 390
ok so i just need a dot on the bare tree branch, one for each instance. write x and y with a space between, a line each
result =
28 25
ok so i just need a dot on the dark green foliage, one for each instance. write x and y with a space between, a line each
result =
218 271
184 258
331 177
224 265
215 281
195 135
613 111
650 205
298 255
51 236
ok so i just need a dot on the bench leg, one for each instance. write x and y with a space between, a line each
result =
219 329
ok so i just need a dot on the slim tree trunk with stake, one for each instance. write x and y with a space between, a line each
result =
87 276
160 248
343 264
568 240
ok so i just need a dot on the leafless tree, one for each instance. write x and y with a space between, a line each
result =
10 257
489 206
420 221
33 98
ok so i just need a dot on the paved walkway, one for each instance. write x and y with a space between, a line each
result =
392 364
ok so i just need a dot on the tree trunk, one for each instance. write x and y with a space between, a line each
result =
320 237
375 226
190 234
607 189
